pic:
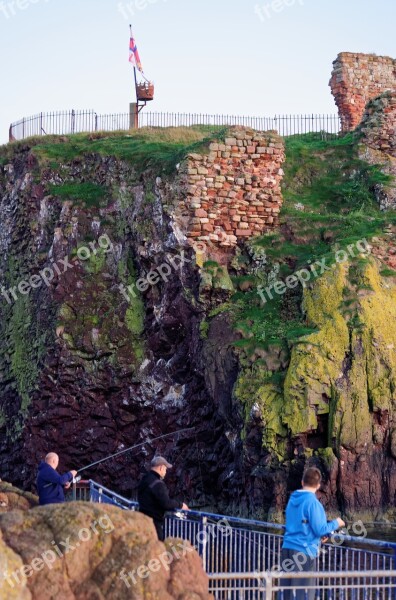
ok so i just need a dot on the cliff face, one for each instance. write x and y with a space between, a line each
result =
378 143
116 328
89 367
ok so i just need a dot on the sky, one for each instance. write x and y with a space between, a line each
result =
241 57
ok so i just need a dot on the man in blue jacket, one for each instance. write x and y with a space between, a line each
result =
49 483
306 524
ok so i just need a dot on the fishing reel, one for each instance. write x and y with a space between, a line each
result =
76 479
180 515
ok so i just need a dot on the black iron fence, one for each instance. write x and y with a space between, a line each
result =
84 121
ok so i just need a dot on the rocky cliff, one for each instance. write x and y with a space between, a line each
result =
118 326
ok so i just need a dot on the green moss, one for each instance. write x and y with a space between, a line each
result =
253 390
134 316
327 456
149 198
135 312
204 329
96 262
222 280
315 366
89 194
215 276
24 357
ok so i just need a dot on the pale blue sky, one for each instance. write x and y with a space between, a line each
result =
211 56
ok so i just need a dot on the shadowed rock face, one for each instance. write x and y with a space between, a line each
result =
79 551
85 371
377 136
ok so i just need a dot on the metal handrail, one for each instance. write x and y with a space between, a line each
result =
113 495
243 521
303 574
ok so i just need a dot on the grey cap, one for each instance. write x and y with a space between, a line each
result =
160 460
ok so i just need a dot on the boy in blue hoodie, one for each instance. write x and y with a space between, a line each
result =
306 524
49 483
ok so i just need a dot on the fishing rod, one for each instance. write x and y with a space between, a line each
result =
160 437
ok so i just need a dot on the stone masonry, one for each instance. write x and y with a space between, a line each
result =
356 79
377 133
234 191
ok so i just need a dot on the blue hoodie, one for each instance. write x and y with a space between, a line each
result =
306 523
50 484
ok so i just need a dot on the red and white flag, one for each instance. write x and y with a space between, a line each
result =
134 57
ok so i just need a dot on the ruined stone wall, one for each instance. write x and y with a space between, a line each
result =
234 191
358 78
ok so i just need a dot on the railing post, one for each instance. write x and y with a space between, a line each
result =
74 490
267 580
394 567
202 538
73 116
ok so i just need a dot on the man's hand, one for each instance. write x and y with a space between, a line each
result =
74 473
185 507
67 485
340 522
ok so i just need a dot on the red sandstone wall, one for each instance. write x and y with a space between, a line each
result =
356 79
234 191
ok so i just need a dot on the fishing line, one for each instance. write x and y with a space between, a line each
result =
160 437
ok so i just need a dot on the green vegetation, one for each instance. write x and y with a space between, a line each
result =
135 311
293 345
23 362
328 200
89 194
388 273
147 149
329 204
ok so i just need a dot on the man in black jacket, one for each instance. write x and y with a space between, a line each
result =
153 495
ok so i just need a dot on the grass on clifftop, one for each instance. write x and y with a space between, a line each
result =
329 203
152 148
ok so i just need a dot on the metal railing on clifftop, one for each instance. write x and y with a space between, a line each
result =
86 121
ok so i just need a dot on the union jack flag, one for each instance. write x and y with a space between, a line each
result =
134 57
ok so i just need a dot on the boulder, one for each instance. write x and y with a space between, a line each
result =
84 551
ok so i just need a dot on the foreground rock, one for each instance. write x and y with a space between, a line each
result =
82 551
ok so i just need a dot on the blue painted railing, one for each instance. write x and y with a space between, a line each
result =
231 545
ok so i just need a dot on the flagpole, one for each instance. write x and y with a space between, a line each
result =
136 115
